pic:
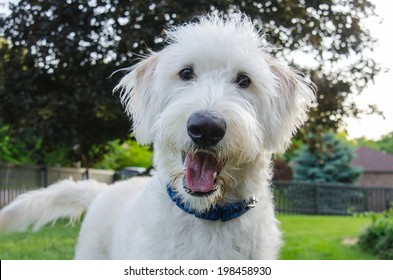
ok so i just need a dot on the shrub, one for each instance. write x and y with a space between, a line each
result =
125 154
378 236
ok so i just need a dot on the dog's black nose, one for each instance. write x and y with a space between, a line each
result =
206 128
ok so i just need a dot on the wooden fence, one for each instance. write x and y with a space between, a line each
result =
17 179
290 197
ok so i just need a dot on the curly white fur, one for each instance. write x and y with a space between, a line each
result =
136 219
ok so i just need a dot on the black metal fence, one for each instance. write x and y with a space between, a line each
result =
290 197
328 199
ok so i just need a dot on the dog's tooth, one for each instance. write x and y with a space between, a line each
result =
215 175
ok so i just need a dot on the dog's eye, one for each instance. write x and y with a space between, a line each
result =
187 74
243 81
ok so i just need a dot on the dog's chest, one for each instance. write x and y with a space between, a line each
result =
177 235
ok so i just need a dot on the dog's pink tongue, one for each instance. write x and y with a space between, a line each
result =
200 170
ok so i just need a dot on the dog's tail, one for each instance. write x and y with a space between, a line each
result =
68 199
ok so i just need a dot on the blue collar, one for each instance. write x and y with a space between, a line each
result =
223 213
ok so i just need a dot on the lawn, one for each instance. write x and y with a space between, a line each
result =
322 237
55 242
306 237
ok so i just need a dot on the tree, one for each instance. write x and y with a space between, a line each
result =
384 144
10 152
328 163
60 55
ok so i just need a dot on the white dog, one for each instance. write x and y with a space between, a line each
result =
216 106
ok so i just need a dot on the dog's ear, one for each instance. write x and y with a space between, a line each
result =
293 99
137 91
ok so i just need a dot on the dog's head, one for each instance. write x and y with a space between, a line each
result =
213 101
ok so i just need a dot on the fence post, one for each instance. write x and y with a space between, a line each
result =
44 176
85 175
317 199
366 197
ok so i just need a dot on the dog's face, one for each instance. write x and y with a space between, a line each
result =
212 102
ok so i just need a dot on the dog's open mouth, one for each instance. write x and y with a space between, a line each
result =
201 173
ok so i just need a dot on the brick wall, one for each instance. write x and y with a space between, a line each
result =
376 179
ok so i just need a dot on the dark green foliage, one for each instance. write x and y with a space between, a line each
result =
378 236
326 159
10 151
28 150
58 55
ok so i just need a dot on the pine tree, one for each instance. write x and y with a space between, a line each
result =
326 159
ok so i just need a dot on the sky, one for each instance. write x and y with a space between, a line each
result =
381 91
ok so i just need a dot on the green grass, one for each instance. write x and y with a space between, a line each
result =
305 237
322 237
49 243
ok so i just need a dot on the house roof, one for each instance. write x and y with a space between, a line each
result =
372 160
